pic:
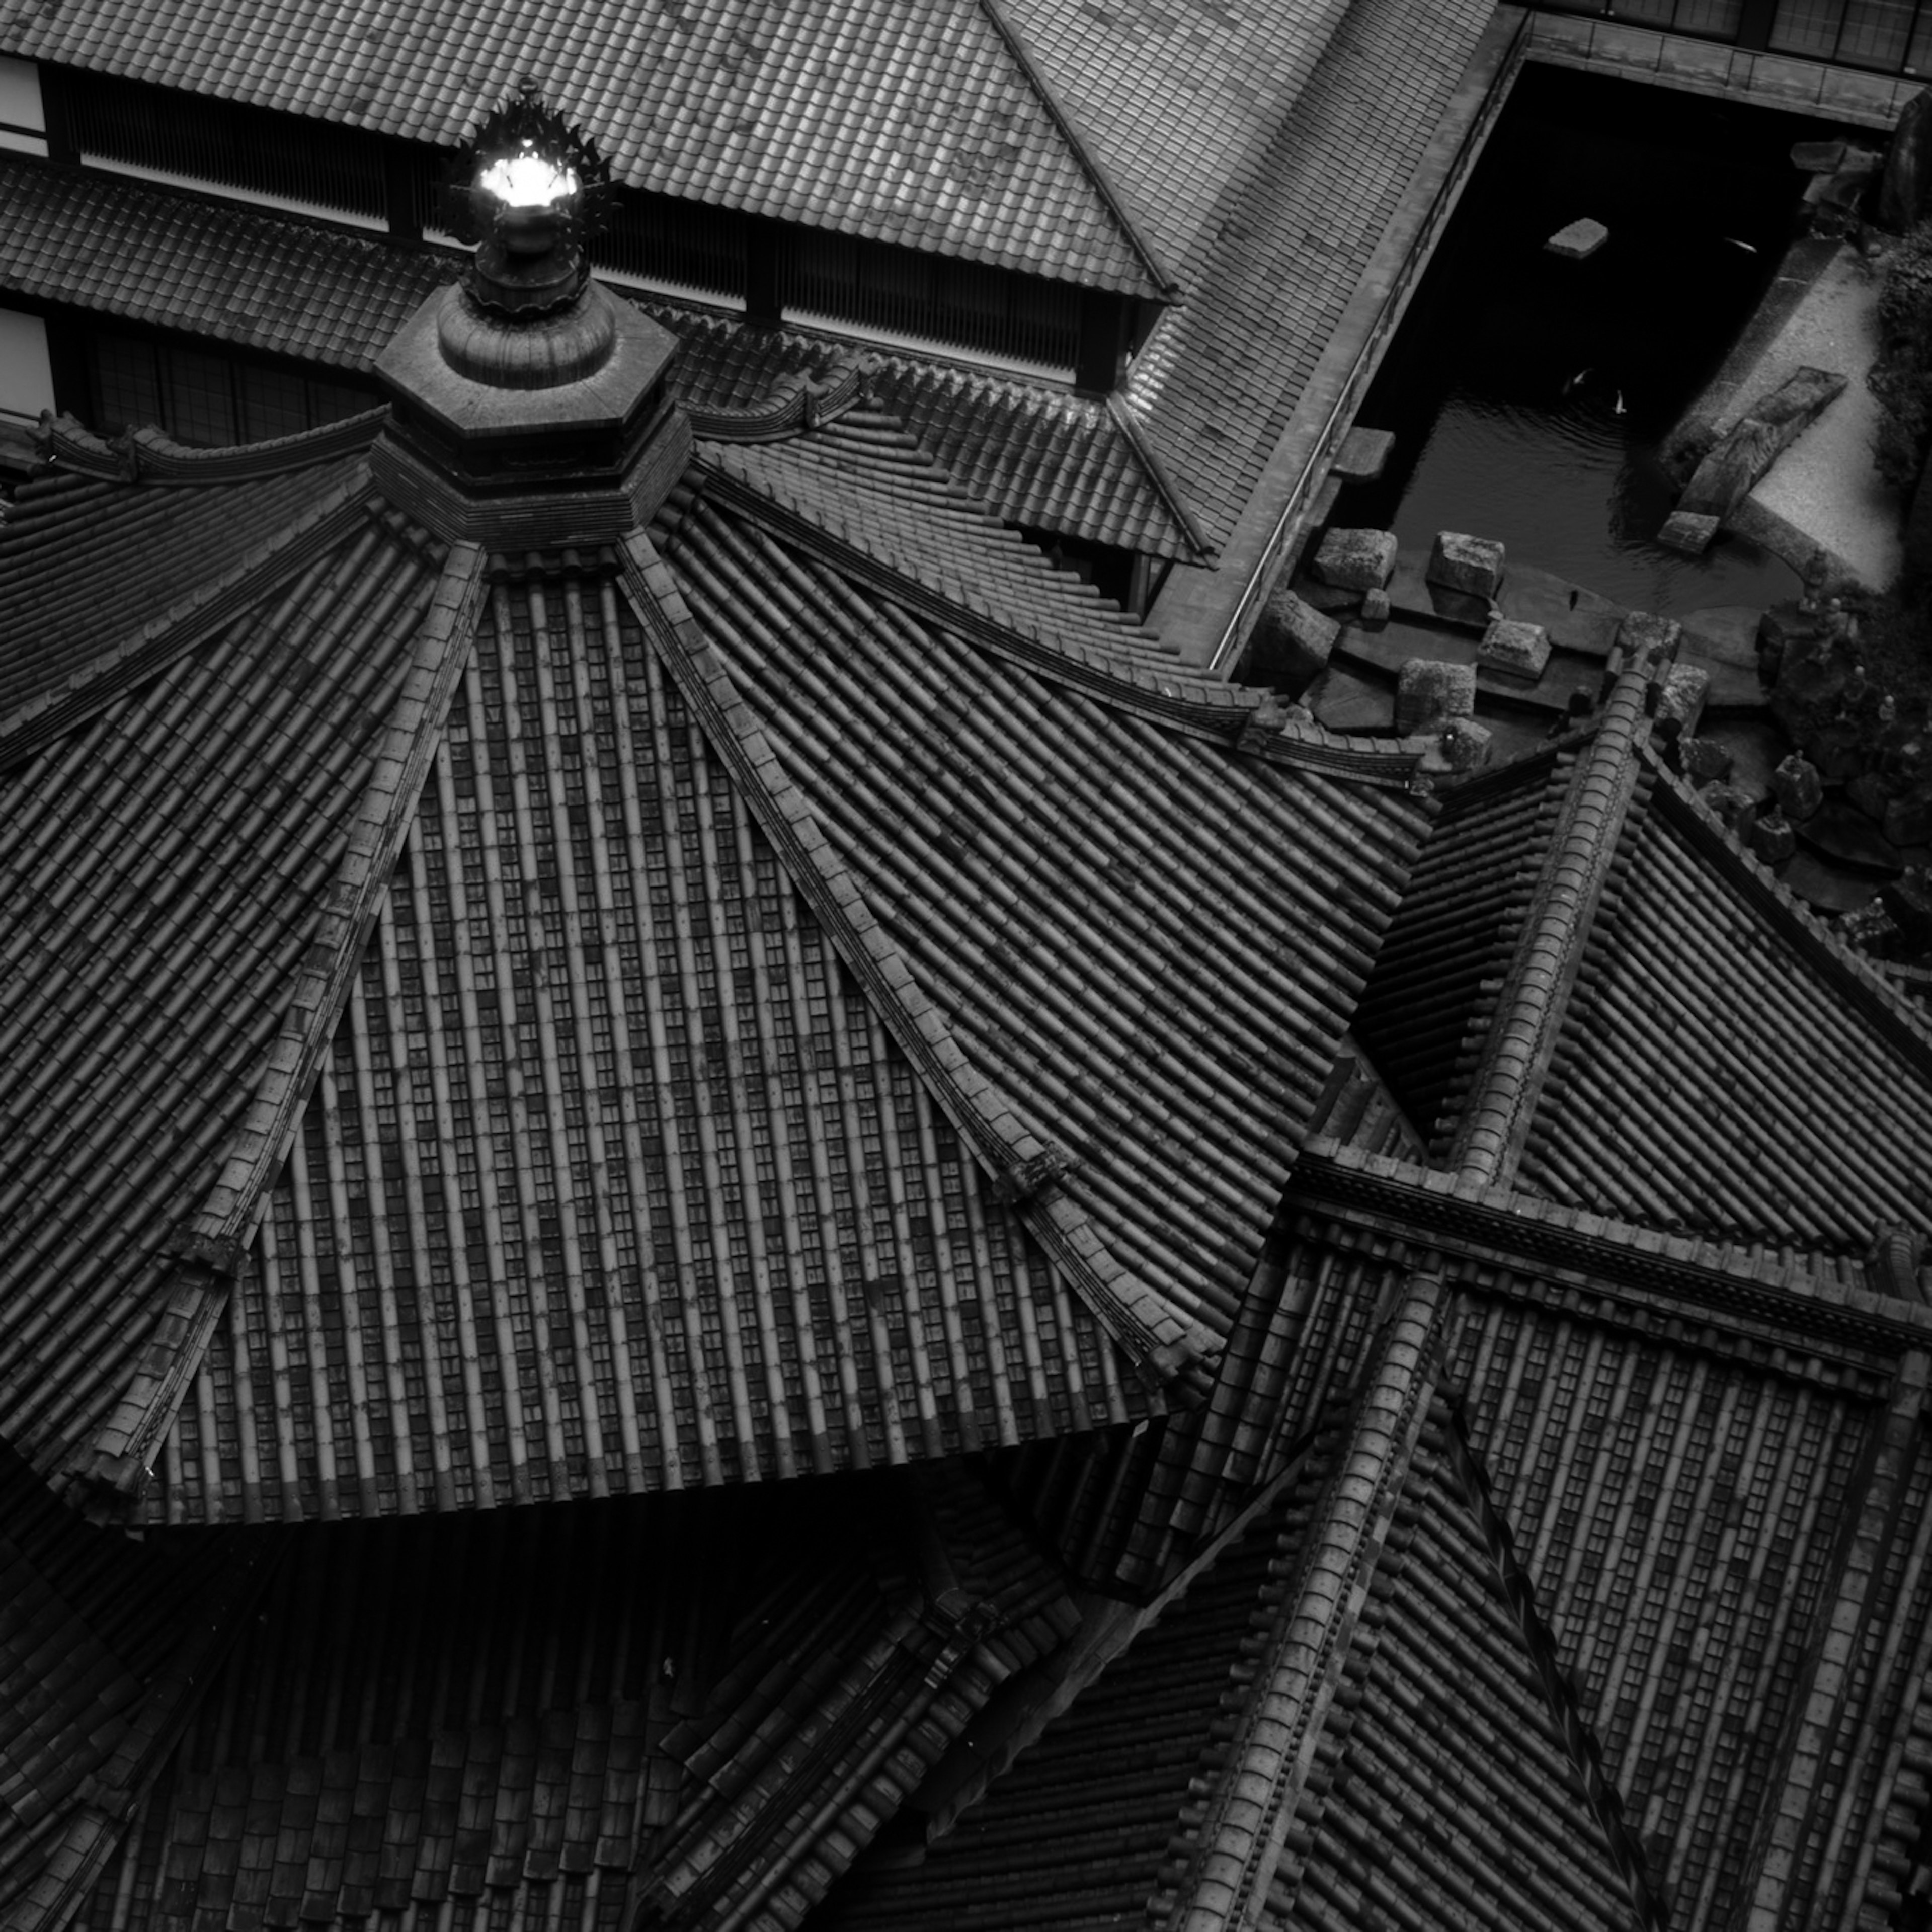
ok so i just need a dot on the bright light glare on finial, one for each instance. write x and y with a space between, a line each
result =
528 180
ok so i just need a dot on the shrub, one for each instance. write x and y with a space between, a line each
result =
1901 379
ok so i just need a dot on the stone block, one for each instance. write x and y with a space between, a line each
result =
1429 693
1517 650
1908 818
1680 702
1578 240
1644 642
1770 838
1796 786
1818 157
1375 608
1731 803
1357 560
1465 745
1687 531
1364 454
1290 643
1702 760
1473 565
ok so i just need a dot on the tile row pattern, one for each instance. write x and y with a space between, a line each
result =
915 125
1433 989
1164 944
1725 1065
64 621
539 1717
167 861
1680 1515
1286 249
613 1177
1039 456
866 483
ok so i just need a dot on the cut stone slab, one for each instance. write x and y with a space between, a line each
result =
1472 566
1741 457
1430 694
1364 454
1346 702
1578 240
1515 649
1687 531
1357 560
1818 157
1290 643
1840 832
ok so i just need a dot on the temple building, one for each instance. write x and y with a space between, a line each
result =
727 1205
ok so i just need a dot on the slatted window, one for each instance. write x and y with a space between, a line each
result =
205 397
928 298
190 134
682 244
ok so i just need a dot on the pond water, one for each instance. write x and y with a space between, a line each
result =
1529 394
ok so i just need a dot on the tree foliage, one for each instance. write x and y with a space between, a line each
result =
1901 379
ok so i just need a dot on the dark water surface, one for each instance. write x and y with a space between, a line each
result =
1496 434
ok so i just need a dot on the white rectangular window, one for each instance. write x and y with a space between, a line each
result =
26 375
23 120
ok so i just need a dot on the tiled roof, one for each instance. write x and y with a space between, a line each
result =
1434 983
1723 1064
601 1084
1439 1779
677 1705
1039 455
1217 382
865 483
102 1645
71 632
917 124
1043 457
173 260
1164 943
168 864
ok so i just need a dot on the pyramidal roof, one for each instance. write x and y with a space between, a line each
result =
920 124
744 996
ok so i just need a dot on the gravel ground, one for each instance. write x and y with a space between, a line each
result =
1824 485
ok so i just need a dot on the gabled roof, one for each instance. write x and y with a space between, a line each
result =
919 124
1438 1776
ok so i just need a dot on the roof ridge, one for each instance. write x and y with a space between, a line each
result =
147 454
1161 1341
208 1250
1501 1215
1241 1840
1077 143
1516 1055
1581 1744
51 711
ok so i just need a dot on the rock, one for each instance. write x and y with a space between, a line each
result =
1364 454
1817 157
1680 701
1778 628
1702 760
1686 531
1357 560
1905 189
1770 838
1741 457
1865 792
1578 240
1429 694
1908 817
1465 745
1797 788
1909 900
1851 841
1472 566
1290 643
1517 650
1375 608
1730 802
